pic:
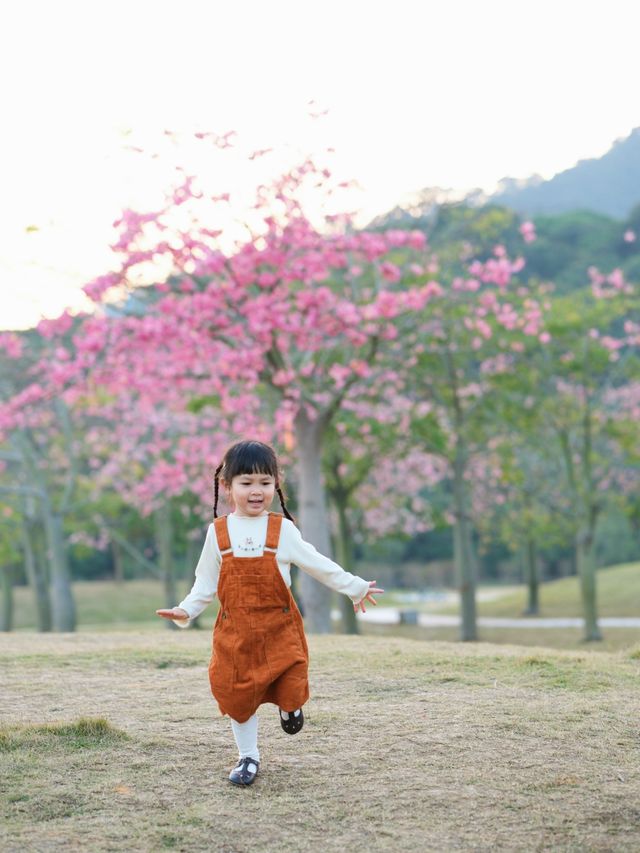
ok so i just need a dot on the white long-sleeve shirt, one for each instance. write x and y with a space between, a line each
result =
247 537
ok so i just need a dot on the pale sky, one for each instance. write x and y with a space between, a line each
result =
457 94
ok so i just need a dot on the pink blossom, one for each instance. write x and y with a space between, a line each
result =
360 367
416 239
389 333
11 344
283 377
528 231
386 305
391 272
396 237
611 343
432 288
57 326
339 373
484 328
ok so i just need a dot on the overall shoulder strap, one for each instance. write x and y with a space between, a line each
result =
222 534
273 531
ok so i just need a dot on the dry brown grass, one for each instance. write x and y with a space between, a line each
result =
407 746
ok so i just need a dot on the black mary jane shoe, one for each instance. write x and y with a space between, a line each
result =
242 774
293 725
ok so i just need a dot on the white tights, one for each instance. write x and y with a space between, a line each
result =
246 735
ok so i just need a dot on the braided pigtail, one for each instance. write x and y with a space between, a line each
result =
215 489
286 512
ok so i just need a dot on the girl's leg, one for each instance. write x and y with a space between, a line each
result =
246 735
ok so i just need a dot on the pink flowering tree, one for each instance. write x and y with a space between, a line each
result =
483 324
375 477
155 454
580 381
279 326
75 454
520 502
156 462
622 407
40 460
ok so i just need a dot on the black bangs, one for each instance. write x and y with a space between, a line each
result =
249 457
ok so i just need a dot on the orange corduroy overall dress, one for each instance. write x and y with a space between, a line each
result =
259 650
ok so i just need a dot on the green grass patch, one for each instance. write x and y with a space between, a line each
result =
85 733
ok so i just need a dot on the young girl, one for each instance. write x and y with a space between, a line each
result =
259 649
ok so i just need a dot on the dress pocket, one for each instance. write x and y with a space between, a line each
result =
253 590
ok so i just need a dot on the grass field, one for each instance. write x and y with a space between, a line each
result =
105 606
112 742
618 595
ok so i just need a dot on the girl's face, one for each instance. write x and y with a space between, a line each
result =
251 494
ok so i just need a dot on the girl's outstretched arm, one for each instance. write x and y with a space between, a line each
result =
322 568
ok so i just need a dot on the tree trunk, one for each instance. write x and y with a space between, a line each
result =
194 548
314 523
164 546
463 551
118 563
585 561
62 602
345 558
531 576
36 578
6 612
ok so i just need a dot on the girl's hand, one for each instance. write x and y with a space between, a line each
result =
174 613
368 597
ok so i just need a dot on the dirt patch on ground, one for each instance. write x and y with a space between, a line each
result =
407 746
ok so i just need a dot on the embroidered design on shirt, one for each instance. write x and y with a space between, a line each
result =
249 546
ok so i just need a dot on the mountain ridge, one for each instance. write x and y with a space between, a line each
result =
609 185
